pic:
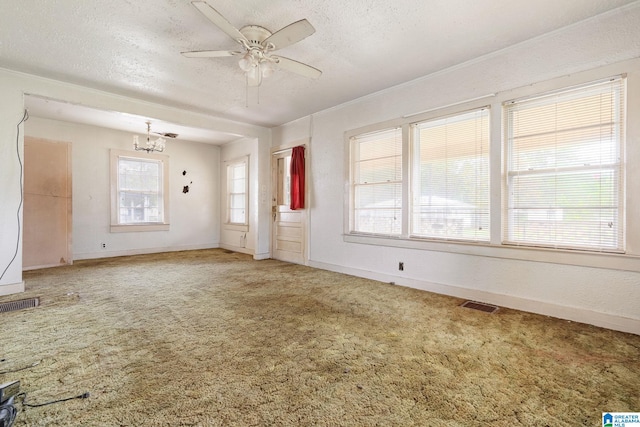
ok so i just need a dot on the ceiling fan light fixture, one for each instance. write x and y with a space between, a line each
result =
247 62
253 73
267 69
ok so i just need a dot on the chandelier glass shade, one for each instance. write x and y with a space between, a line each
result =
157 145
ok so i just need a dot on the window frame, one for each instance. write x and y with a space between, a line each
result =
354 158
617 168
628 261
116 226
484 112
229 193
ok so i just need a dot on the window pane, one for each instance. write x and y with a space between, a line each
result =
238 185
237 216
377 182
564 174
239 171
140 191
237 193
237 201
451 177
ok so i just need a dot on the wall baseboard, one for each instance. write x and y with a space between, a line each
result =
142 251
263 256
12 288
574 314
236 249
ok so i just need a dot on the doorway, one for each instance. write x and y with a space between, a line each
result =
288 234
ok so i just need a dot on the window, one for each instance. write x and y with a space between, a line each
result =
139 192
376 182
283 191
237 182
564 168
450 185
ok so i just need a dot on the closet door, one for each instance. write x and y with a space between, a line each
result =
47 204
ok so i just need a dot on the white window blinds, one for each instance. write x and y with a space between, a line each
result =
450 185
564 168
377 182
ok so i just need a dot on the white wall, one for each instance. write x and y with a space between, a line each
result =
13 87
194 216
592 288
11 153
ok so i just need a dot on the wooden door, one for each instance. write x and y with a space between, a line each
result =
289 226
47 204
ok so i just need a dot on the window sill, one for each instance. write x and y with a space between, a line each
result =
121 228
235 227
613 261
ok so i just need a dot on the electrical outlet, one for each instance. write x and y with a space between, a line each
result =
401 266
103 245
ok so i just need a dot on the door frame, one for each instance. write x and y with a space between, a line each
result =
274 188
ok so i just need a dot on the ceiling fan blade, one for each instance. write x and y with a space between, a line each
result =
297 67
290 34
210 53
219 20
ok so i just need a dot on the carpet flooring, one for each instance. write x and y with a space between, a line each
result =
213 338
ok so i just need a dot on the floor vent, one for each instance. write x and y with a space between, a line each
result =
19 304
487 308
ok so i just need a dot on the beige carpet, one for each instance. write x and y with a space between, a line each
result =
210 338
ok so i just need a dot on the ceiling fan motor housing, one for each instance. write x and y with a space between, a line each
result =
255 35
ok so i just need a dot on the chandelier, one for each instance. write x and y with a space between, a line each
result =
157 145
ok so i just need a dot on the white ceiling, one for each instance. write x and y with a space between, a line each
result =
132 48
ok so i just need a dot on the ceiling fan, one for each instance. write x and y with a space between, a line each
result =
258 43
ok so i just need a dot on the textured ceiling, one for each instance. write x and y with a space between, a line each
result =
132 47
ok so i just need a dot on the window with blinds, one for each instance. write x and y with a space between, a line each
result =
376 169
237 184
450 183
564 168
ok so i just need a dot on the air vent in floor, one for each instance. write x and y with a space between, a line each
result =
487 308
19 304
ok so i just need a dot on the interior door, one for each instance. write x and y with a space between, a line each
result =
47 204
289 226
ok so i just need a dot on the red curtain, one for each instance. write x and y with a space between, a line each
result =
297 178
